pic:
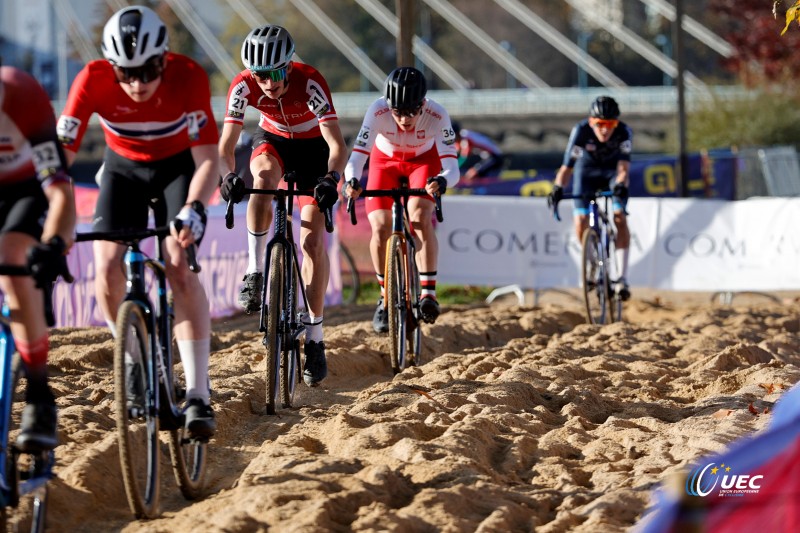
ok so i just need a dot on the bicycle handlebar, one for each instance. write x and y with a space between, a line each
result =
589 196
280 194
397 194
47 292
132 236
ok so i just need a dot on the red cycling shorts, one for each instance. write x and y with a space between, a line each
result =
385 173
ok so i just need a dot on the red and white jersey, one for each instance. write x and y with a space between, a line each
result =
28 143
178 116
295 115
379 130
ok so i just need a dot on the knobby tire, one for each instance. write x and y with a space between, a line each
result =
289 372
275 318
594 273
394 283
137 433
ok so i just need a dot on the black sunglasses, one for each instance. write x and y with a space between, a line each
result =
150 71
410 113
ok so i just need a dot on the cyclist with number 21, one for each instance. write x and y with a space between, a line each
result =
599 151
155 110
405 134
298 131
37 222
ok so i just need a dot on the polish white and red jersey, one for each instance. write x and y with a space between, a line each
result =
177 117
28 143
432 131
295 115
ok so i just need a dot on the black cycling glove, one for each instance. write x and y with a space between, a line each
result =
325 193
555 196
441 181
47 261
232 188
620 191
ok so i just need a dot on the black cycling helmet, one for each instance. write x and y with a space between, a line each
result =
405 89
604 107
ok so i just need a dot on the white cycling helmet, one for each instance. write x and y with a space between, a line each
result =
132 36
267 48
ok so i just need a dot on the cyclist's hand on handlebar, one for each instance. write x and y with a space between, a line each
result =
232 188
555 196
325 193
47 261
620 191
436 185
352 189
190 224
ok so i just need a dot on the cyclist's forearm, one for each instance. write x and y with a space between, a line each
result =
563 176
205 178
623 173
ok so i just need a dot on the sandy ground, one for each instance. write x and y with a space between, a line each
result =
523 418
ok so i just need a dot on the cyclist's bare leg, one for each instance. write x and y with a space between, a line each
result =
266 175
420 211
27 319
316 267
109 281
381 222
581 224
623 234
191 304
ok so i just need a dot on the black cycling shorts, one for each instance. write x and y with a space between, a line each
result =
23 207
129 188
308 158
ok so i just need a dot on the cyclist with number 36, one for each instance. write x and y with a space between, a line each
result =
599 151
37 222
161 136
298 131
405 134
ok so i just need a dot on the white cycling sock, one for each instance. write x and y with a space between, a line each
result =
112 326
622 262
194 356
256 250
313 328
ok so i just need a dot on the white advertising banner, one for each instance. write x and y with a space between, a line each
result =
676 244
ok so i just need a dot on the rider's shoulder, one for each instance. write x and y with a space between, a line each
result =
183 64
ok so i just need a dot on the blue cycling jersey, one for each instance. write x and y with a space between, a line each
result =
585 153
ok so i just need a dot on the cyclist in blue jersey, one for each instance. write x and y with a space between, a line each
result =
599 153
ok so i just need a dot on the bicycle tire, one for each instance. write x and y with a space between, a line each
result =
394 283
137 429
594 278
614 301
273 336
189 459
351 281
289 371
414 327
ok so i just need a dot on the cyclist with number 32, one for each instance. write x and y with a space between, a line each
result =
298 131
405 134
599 151
161 136
37 222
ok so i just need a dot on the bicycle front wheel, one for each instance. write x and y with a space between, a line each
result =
414 327
289 371
188 457
395 284
137 420
595 279
273 340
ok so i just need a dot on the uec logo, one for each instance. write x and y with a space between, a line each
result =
702 481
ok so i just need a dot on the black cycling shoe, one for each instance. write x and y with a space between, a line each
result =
38 428
316 366
250 293
429 309
199 420
621 289
380 320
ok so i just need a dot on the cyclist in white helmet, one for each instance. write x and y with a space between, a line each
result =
155 110
405 134
298 131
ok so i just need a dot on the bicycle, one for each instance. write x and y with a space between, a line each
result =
598 257
351 280
147 393
280 320
401 275
20 477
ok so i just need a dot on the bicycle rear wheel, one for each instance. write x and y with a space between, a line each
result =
137 420
395 284
595 279
414 328
188 457
273 338
351 282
